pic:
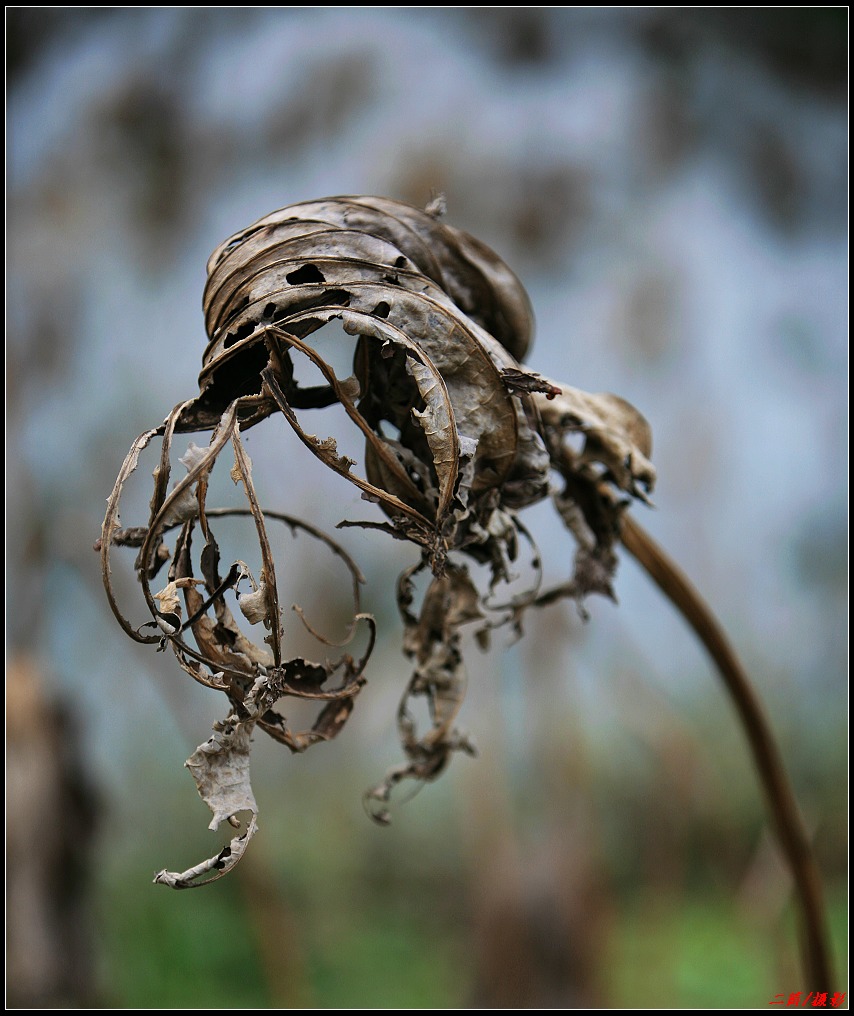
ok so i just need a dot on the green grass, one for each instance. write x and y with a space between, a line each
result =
198 949
703 952
697 953
385 960
171 950
407 947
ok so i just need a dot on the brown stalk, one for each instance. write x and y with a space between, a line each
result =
786 817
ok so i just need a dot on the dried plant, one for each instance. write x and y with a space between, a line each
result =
459 439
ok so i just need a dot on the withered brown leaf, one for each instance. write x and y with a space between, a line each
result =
459 439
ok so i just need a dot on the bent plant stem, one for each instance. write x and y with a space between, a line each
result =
786 816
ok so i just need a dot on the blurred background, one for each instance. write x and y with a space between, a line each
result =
671 187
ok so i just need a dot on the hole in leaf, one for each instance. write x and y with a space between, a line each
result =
239 375
308 273
245 329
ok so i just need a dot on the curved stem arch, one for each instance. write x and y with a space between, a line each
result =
786 817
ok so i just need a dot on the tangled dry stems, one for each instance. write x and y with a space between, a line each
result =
459 439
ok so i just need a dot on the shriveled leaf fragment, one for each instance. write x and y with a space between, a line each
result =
436 420
254 605
168 598
459 438
525 381
168 617
181 508
433 641
612 459
220 863
193 456
616 436
272 614
220 768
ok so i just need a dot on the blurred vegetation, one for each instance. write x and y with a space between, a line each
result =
671 186
410 946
